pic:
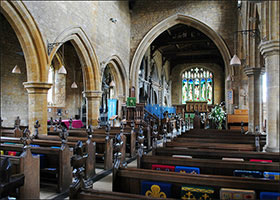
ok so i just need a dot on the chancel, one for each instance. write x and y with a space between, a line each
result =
140 99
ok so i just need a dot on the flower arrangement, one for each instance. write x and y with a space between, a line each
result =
218 115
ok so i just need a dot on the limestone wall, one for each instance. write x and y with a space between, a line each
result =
107 38
14 99
219 15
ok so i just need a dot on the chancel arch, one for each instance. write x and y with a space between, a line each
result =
165 25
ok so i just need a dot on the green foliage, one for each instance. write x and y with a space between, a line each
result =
218 115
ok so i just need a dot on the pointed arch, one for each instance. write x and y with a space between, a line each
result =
163 26
89 62
120 73
30 39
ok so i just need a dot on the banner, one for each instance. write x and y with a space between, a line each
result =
112 107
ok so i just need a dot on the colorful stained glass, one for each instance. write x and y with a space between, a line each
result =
197 85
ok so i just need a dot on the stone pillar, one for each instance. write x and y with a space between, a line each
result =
270 51
255 98
93 99
37 105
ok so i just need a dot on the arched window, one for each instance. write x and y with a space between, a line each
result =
197 85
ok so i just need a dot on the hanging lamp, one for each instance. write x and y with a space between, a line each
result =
235 61
62 69
16 70
74 84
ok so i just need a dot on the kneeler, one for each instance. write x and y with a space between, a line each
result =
42 157
163 168
188 170
269 196
245 173
228 194
194 192
272 175
258 160
156 189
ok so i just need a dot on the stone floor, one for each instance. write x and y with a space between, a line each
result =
103 184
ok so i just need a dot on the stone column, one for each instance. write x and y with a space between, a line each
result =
254 94
270 51
37 104
93 99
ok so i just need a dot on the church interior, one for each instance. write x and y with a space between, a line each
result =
140 99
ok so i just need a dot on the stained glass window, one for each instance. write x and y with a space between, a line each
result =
197 85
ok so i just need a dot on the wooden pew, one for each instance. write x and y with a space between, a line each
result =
217 154
56 158
128 180
9 184
208 166
29 166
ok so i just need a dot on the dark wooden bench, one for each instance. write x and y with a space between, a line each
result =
217 154
128 180
57 161
29 166
208 166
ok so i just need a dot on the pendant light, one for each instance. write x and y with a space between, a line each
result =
235 61
62 69
74 84
16 70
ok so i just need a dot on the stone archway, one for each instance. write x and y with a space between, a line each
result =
90 68
31 41
163 26
119 73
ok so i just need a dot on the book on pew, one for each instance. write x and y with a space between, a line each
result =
269 196
229 193
233 159
181 156
246 173
272 175
188 170
163 168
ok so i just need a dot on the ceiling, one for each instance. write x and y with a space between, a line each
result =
184 44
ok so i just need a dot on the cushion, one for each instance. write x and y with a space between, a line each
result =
155 189
245 173
257 160
272 175
163 168
269 196
228 193
190 170
196 192
233 159
13 153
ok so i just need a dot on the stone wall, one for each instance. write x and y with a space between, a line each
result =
219 81
219 15
73 97
14 98
107 38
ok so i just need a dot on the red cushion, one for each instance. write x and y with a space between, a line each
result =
163 168
257 160
12 153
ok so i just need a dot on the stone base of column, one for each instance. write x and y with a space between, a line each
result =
272 149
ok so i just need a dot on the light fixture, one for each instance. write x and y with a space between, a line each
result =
235 61
112 84
16 70
62 69
114 20
74 85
